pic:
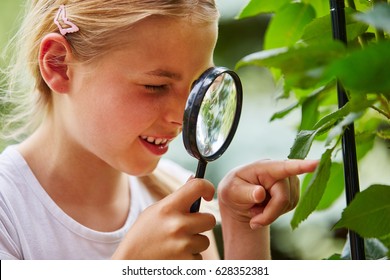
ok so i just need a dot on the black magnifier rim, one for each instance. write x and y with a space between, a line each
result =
192 109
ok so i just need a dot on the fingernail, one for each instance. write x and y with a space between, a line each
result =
259 194
255 226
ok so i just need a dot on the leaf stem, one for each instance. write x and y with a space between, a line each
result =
380 111
385 102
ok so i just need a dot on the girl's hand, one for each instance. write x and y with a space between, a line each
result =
167 229
258 193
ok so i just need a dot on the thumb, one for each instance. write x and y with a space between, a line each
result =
183 198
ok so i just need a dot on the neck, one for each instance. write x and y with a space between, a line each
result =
83 186
68 172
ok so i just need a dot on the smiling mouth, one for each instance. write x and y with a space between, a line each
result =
157 146
156 141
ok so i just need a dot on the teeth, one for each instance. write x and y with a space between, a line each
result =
156 141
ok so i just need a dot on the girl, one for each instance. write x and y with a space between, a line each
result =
108 85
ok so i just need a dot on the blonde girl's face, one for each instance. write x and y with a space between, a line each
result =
125 108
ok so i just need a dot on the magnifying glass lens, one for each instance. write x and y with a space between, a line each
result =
216 115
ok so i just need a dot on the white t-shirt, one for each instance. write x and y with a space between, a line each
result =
32 226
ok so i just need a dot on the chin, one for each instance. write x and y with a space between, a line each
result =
142 169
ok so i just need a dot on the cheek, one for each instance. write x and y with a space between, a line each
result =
105 109
124 115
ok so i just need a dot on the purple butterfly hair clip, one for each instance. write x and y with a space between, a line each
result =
70 27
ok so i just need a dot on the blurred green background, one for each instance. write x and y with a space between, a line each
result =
256 137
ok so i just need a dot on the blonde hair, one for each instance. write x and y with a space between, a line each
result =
27 96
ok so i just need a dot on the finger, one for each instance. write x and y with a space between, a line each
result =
241 192
199 243
197 257
294 191
284 198
267 172
278 204
183 198
288 168
192 246
199 222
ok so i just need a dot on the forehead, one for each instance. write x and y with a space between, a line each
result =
172 29
159 43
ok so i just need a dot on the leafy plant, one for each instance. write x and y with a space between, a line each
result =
300 51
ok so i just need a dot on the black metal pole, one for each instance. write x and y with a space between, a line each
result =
351 175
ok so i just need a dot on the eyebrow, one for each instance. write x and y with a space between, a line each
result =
165 74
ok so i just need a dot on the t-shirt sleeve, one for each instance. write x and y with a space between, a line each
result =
8 235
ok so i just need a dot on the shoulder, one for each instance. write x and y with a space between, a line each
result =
8 170
7 158
10 199
13 169
16 193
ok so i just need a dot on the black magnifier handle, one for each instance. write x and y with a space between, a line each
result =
200 171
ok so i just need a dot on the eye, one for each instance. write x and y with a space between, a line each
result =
156 87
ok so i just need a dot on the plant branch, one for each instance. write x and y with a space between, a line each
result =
386 104
380 111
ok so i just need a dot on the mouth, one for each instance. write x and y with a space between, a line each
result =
156 145
155 141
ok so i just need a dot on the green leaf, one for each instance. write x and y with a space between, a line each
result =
379 17
334 189
364 143
320 6
314 191
302 66
338 129
287 25
305 98
256 7
319 31
332 118
281 114
363 4
368 213
385 240
335 186
310 112
355 105
334 257
305 138
364 71
267 58
296 59
302 144
343 117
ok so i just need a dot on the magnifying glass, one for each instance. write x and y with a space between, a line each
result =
211 117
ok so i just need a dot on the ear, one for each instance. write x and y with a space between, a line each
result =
54 58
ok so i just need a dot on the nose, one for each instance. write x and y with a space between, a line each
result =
175 107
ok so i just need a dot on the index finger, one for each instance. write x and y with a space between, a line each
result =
267 172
